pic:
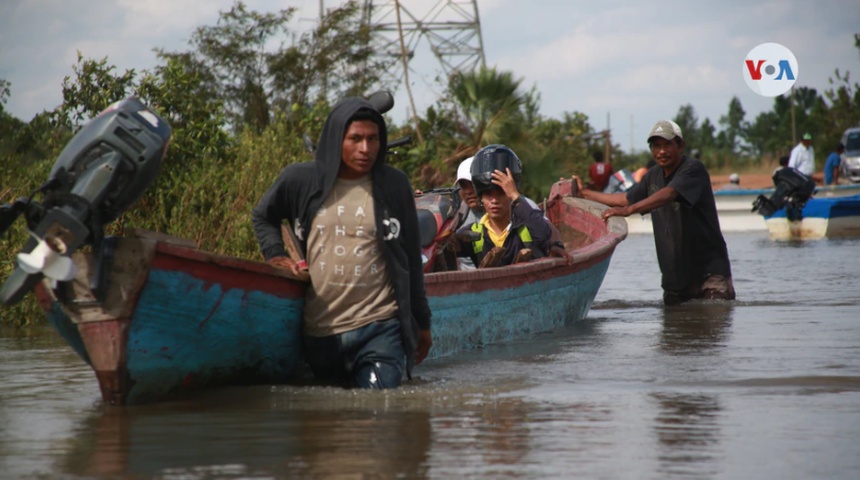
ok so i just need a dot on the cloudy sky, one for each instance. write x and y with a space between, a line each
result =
628 62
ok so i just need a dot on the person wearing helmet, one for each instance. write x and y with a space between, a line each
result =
511 229
691 250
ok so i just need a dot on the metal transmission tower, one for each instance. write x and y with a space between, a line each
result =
451 29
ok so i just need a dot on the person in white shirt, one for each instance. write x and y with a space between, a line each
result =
803 156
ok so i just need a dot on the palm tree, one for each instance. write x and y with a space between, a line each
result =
491 103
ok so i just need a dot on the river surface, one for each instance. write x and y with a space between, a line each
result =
767 387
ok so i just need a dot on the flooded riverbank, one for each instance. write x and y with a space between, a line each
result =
765 387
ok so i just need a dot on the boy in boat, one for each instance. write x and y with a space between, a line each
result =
366 318
511 230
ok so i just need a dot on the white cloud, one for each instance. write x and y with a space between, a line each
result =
629 59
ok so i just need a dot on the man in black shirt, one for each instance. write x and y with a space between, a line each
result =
677 193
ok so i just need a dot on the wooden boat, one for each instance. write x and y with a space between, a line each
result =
822 217
735 212
174 319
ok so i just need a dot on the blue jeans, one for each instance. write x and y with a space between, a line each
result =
368 357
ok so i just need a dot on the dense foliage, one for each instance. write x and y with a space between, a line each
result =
241 98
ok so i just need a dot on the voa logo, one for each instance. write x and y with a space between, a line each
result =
770 69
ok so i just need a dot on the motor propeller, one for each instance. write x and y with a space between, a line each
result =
100 173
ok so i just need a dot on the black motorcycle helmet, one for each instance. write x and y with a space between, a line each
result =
491 158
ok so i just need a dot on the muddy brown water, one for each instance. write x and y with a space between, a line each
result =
766 387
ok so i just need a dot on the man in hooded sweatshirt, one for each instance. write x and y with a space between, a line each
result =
366 318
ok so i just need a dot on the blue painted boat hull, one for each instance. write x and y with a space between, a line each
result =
176 319
198 320
829 217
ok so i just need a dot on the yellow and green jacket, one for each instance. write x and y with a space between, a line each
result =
528 229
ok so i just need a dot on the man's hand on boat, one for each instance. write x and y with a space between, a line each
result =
621 211
299 269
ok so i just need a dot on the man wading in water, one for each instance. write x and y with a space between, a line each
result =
366 318
677 193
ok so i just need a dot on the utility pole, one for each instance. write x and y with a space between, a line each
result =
607 141
793 128
632 151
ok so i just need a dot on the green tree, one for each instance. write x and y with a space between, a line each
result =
707 134
687 119
336 59
5 90
94 89
490 103
733 125
838 110
234 52
255 80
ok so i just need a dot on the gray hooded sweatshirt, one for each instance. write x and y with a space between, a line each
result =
301 188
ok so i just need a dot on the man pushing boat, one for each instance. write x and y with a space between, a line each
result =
677 192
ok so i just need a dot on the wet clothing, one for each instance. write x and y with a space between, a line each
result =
300 190
371 356
523 216
690 244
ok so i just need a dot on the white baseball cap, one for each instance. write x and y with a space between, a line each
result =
665 129
464 171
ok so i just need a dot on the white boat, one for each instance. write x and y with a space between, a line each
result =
734 208
822 217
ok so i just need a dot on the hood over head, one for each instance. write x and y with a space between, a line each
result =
329 150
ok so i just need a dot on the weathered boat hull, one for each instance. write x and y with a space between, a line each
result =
486 306
834 217
176 319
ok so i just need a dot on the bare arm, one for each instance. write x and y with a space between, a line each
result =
610 199
664 196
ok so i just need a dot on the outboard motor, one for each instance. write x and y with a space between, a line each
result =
792 190
105 168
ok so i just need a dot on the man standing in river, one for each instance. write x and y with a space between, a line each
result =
691 249
366 318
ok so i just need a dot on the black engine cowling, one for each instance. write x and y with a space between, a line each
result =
792 190
105 168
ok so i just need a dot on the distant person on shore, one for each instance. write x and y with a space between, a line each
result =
802 156
691 250
734 183
831 166
599 173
